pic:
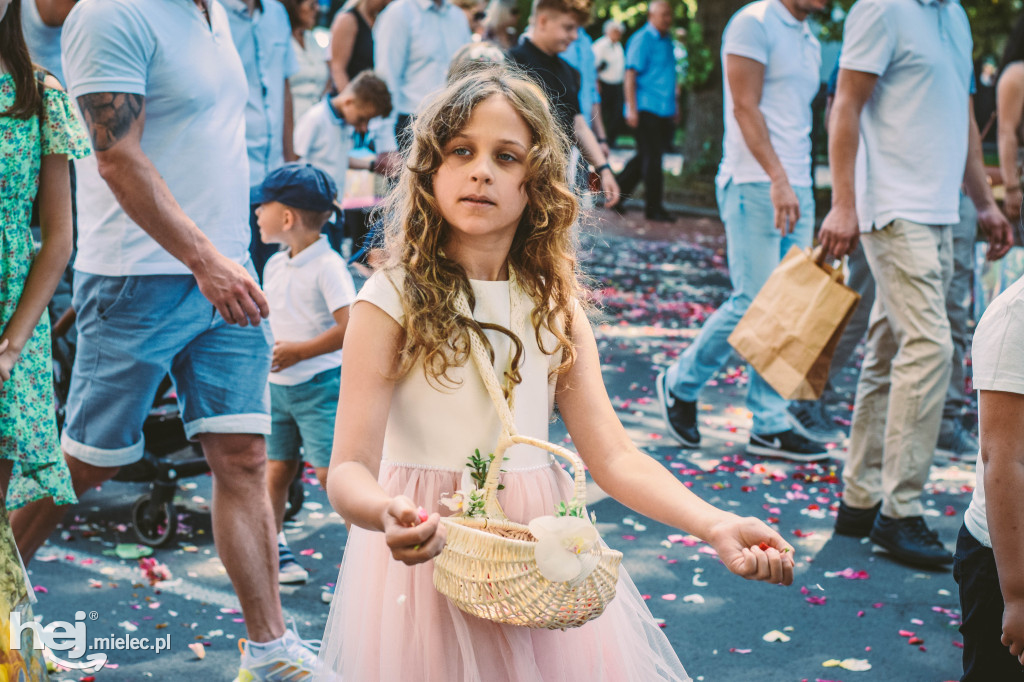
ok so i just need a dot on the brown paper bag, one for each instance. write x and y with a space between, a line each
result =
793 325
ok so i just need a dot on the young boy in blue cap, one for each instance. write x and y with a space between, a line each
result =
309 290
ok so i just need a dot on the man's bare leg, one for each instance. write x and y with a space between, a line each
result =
243 528
34 522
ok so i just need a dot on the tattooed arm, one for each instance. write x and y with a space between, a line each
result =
115 121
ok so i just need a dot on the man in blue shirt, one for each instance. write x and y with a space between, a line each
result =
651 95
413 44
580 56
262 35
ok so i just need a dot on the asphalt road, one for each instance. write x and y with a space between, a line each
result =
848 602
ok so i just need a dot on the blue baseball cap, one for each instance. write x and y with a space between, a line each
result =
298 185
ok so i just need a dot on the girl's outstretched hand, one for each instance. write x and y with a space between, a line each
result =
749 548
411 539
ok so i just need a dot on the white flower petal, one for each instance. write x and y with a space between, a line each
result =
546 525
554 562
454 503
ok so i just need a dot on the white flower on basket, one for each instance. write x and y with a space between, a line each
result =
566 545
468 500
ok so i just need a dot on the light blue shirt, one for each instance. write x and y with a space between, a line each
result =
194 134
580 56
652 56
43 41
264 42
413 44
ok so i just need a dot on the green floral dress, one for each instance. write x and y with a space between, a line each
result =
28 426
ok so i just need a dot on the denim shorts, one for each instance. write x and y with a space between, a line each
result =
133 331
302 416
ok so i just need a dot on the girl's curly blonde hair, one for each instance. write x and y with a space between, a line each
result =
543 252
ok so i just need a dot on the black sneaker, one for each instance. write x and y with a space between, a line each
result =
811 420
956 441
856 522
911 541
680 415
786 445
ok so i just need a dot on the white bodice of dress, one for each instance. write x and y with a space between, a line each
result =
440 427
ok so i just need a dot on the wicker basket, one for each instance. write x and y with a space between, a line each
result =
488 568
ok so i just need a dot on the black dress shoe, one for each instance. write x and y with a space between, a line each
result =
856 522
660 216
911 541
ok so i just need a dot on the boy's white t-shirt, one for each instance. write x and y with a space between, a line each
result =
324 139
998 366
303 293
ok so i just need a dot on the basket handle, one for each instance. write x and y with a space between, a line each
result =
483 365
509 436
579 493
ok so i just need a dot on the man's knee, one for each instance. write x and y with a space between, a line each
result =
85 476
233 455
931 350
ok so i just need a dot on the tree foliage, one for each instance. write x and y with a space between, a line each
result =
705 20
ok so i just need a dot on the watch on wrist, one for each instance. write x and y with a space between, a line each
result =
373 165
603 167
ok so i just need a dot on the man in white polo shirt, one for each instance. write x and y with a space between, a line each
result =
164 284
902 140
772 72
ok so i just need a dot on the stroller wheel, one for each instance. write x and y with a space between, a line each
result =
296 496
155 524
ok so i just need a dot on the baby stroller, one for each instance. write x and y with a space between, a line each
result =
169 455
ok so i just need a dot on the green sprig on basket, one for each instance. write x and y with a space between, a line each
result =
479 466
574 509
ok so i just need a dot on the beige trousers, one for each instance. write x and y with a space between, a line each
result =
906 369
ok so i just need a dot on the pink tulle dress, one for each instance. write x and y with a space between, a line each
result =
388 623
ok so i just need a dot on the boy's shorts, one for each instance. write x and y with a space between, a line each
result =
302 416
133 331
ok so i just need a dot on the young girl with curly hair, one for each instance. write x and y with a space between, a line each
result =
483 215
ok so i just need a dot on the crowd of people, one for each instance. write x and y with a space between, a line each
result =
205 194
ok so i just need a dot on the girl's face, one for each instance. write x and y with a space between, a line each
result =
480 186
307 13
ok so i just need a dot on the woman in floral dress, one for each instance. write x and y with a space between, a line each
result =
38 132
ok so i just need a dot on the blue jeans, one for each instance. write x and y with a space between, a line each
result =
755 249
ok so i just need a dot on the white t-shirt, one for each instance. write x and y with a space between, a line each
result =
614 59
43 41
913 130
766 32
303 293
308 83
194 133
998 366
324 139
